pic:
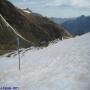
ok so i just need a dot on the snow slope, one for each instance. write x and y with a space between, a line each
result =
64 65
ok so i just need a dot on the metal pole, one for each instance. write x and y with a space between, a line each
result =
18 43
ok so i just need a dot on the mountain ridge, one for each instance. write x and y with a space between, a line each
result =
76 26
34 28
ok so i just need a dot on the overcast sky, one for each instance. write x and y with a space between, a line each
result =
56 8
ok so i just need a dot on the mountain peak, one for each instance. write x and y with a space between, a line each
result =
82 16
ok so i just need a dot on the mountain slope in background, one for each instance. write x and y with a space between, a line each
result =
61 66
59 20
76 26
33 27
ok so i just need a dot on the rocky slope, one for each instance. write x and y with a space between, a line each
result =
37 29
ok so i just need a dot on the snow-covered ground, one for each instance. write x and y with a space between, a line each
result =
64 65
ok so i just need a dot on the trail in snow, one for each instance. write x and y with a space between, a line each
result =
61 66
16 33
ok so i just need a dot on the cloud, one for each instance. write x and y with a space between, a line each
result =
63 8
73 3
56 2
81 3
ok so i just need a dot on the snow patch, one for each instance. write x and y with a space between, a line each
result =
27 11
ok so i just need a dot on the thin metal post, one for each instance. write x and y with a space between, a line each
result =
18 43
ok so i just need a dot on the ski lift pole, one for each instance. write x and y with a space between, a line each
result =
18 44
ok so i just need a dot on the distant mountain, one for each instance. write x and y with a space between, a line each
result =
76 26
59 20
32 29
